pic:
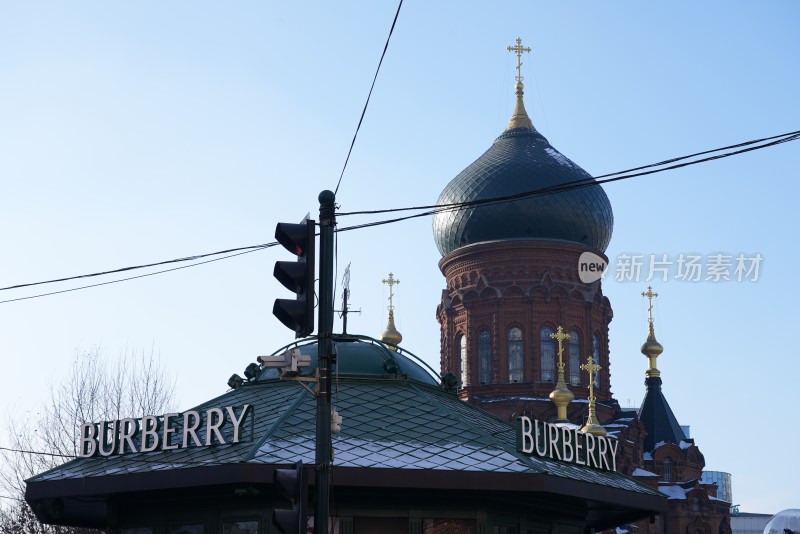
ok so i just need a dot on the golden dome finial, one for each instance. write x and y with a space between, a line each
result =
651 348
592 425
520 117
391 336
561 396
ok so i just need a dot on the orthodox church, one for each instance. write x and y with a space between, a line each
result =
525 335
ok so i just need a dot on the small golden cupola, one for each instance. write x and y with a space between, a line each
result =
391 336
651 348
561 396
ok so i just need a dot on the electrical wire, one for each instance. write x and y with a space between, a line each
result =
369 95
139 276
122 458
589 180
123 269
438 208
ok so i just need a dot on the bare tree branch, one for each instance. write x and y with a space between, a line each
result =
132 385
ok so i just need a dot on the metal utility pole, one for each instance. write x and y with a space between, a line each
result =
325 359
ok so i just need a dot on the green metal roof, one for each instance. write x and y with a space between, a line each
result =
400 432
389 423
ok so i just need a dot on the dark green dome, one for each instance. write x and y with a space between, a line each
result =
363 357
522 160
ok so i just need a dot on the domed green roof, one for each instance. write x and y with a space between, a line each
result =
363 357
522 160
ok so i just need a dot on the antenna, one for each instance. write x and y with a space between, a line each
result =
345 297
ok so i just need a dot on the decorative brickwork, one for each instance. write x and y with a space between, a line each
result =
528 286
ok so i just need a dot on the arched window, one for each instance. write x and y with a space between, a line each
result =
668 469
596 357
574 358
548 349
515 355
461 343
696 505
484 357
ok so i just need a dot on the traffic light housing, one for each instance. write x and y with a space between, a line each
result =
298 276
293 486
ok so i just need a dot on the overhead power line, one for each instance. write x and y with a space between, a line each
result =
122 458
597 180
369 95
433 209
251 248
254 249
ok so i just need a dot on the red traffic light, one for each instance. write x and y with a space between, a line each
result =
297 276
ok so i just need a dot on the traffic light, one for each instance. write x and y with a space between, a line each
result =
297 276
293 487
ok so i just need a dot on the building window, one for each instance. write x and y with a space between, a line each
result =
461 343
515 355
484 357
574 358
596 358
696 505
668 469
548 348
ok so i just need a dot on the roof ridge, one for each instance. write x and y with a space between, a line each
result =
276 425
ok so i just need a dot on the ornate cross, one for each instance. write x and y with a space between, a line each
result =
591 368
391 281
592 424
560 336
650 295
519 49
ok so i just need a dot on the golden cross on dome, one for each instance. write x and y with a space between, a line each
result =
560 336
650 295
391 281
592 425
590 367
519 49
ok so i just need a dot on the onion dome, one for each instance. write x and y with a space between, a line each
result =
391 336
655 412
519 161
651 347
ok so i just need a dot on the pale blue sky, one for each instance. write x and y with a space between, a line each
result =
138 132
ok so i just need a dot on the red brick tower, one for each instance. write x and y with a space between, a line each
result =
513 273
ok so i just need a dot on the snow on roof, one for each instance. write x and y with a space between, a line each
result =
659 444
571 426
639 472
686 444
515 397
673 491
556 155
647 456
